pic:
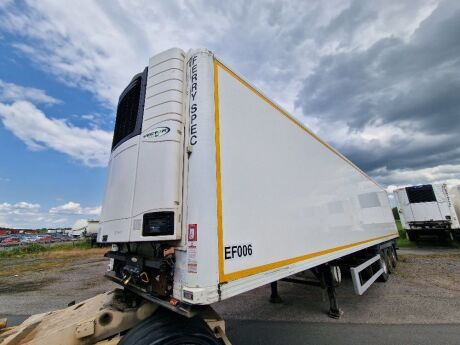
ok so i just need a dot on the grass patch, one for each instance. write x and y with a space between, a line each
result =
54 258
35 248
402 240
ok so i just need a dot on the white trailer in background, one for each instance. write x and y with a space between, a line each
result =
213 190
85 228
454 195
427 210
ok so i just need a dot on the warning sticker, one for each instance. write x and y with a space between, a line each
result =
192 232
192 236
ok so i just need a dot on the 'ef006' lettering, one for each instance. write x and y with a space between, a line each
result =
238 251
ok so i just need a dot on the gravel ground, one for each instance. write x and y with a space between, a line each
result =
75 278
425 289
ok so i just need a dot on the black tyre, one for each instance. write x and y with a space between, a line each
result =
393 257
445 236
383 262
411 236
387 258
167 328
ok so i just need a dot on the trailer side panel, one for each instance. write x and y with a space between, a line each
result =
285 195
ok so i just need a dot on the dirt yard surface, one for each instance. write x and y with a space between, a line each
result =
425 289
39 283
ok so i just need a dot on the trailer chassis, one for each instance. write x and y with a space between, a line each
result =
440 228
374 264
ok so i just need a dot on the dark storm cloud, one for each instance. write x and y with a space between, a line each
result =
404 154
413 85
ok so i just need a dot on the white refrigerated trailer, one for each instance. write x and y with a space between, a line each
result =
454 195
213 190
427 210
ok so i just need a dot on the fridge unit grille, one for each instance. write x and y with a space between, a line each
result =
417 194
130 110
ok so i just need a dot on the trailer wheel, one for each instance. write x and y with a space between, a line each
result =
392 256
168 328
411 236
388 260
383 262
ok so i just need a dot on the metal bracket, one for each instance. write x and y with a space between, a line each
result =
180 308
85 329
355 275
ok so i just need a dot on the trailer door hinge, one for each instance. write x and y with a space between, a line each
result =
219 292
189 149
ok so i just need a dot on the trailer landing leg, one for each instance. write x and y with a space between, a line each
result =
328 280
275 297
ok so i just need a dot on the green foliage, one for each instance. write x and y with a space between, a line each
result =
395 213
402 240
85 244
36 248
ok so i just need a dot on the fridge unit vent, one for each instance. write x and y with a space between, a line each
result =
417 194
130 110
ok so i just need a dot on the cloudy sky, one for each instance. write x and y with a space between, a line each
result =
379 80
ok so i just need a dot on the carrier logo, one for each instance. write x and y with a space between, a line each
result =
156 132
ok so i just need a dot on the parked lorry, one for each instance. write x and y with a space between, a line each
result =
213 190
428 210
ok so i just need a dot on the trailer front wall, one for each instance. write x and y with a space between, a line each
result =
454 194
284 196
438 210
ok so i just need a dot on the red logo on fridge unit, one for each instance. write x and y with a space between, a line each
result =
192 232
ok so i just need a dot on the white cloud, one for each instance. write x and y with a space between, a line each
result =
98 46
447 173
21 214
30 215
75 208
19 208
391 188
12 92
37 131
20 115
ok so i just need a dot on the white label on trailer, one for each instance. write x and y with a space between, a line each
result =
193 104
192 260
